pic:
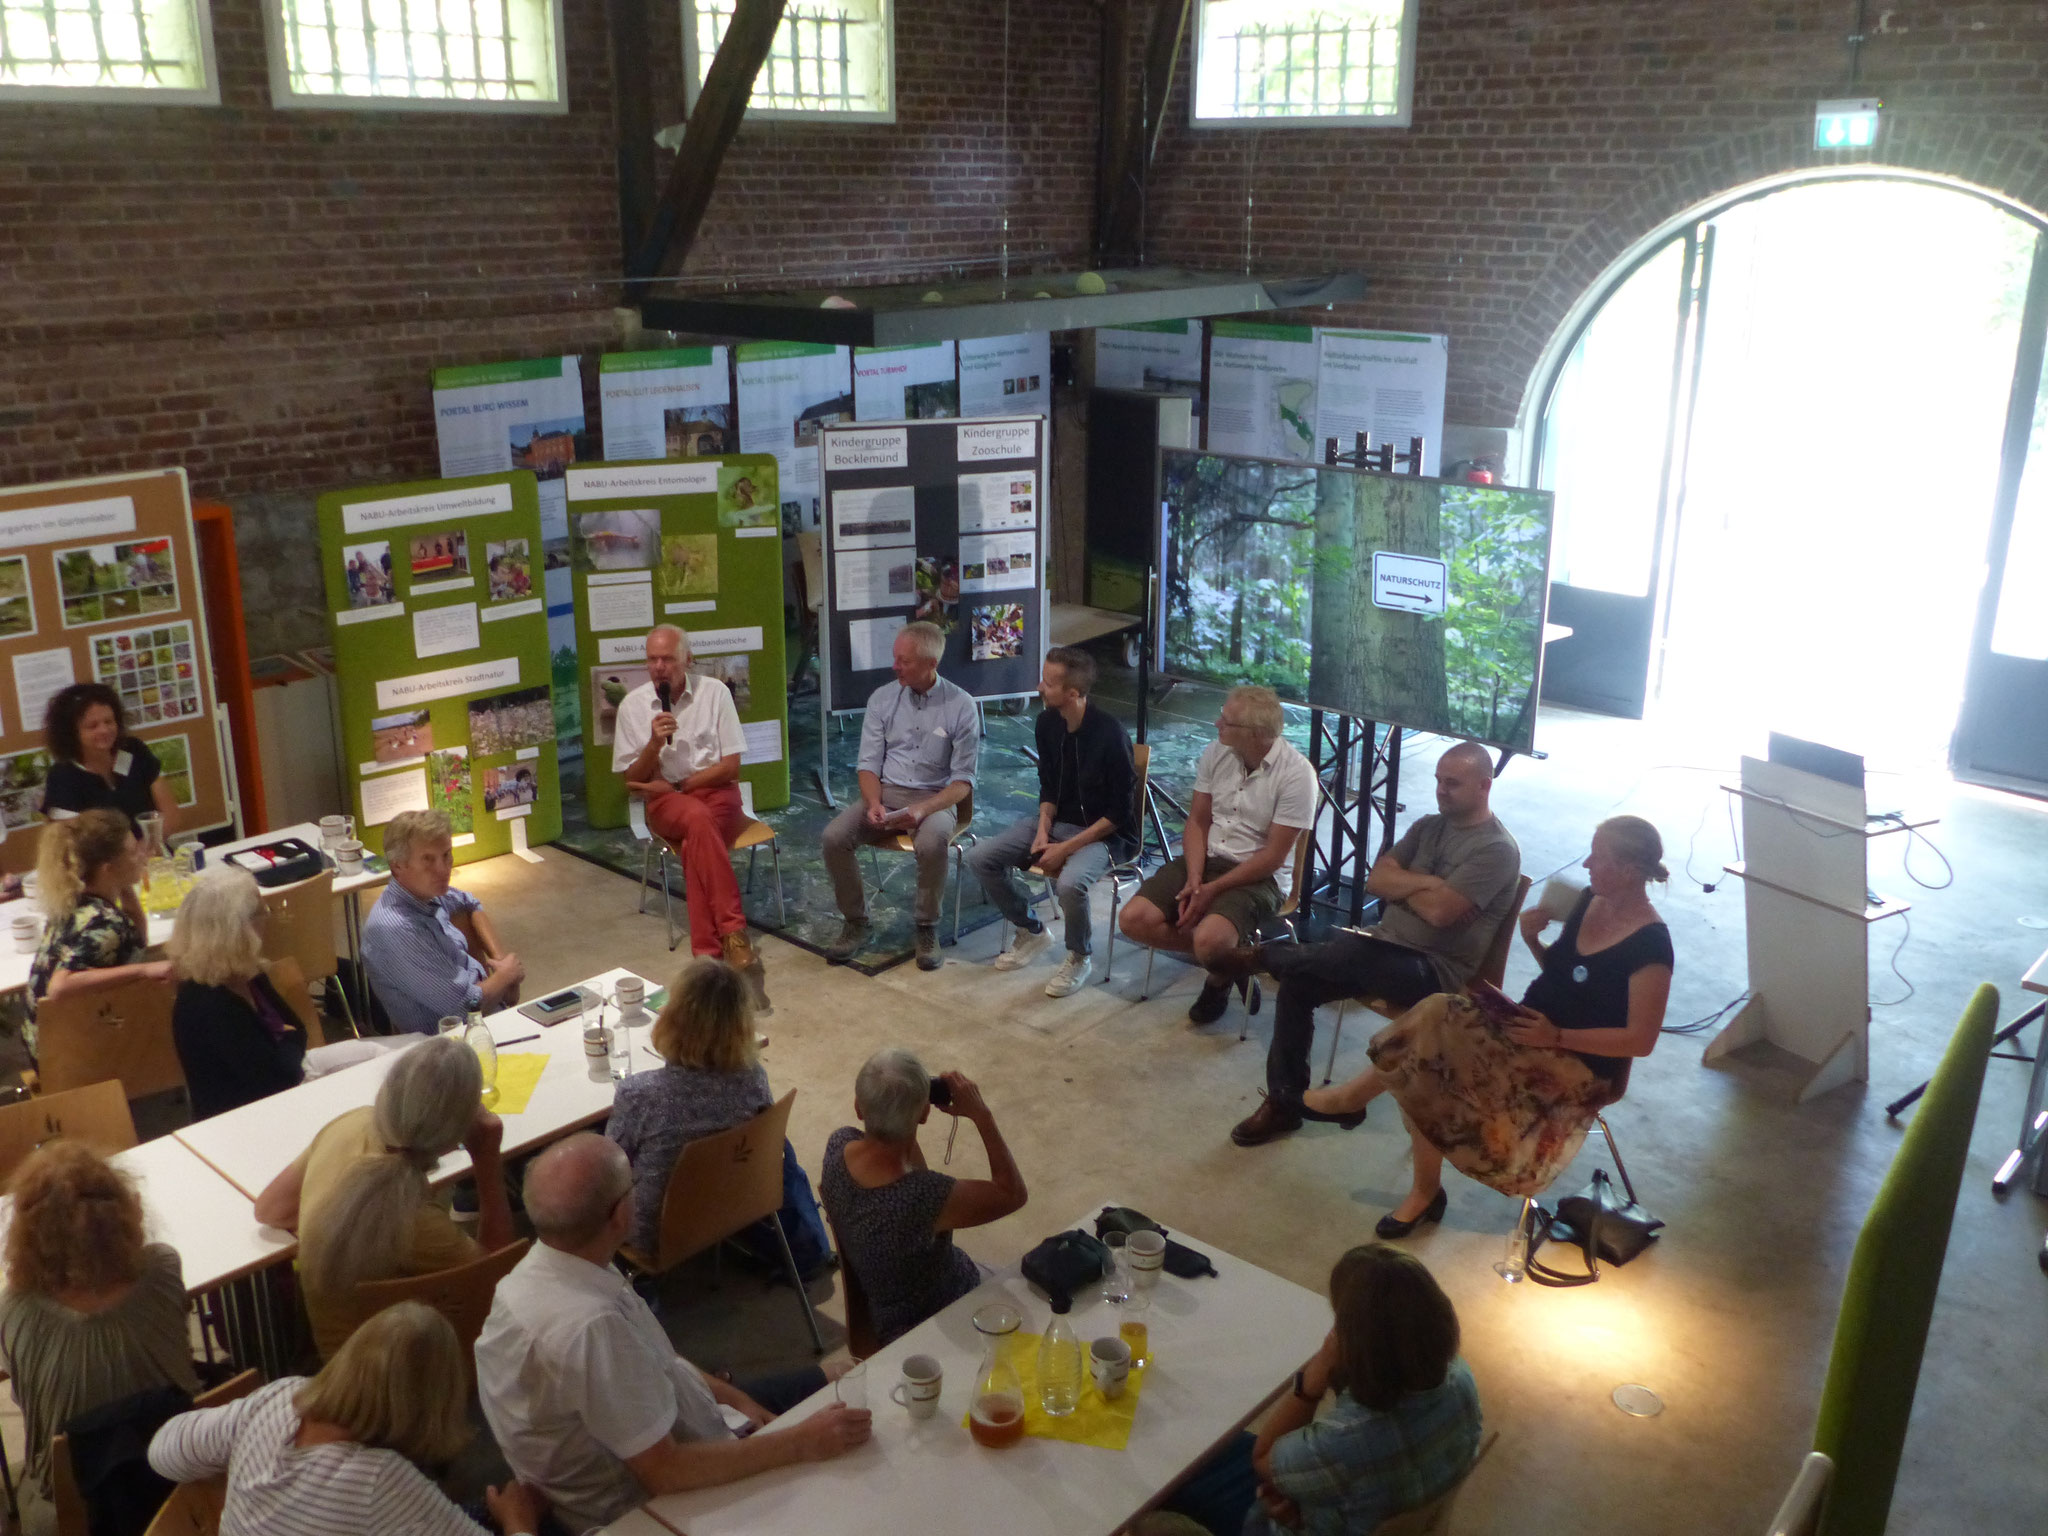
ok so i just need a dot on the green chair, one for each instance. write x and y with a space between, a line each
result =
1888 1299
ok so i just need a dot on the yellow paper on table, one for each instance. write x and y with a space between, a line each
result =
518 1076
1095 1422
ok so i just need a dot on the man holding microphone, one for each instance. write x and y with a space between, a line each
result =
677 741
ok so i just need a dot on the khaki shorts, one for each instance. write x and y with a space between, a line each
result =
1248 907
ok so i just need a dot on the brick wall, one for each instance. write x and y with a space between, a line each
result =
1549 136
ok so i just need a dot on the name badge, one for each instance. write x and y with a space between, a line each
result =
123 761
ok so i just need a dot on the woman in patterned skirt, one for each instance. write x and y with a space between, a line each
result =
1506 1096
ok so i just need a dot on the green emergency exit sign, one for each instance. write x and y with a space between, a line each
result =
1846 124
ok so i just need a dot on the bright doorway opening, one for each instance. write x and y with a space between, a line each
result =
1777 450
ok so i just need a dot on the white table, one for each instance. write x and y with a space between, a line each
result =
1222 1348
15 964
635 1522
252 1145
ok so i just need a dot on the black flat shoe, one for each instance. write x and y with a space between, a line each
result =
1392 1227
1208 1008
1351 1120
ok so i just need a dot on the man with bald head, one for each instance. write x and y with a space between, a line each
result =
677 742
588 1399
1443 888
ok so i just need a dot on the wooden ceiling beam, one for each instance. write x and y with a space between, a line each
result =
1133 120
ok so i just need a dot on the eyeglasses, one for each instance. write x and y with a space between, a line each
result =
1225 723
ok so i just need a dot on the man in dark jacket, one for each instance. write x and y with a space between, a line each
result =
1087 817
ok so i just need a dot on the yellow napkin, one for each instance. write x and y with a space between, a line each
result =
1095 1422
518 1075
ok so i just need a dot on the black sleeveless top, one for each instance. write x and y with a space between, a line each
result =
1578 991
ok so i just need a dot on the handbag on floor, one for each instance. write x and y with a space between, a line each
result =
1600 1223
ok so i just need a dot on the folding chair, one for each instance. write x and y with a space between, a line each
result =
720 1186
1117 873
1280 925
903 842
656 853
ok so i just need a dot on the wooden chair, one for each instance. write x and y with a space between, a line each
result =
96 1115
290 983
963 839
861 1340
656 853
193 1509
1431 1516
1282 920
1493 968
72 1519
301 928
120 1032
462 1294
1117 874
720 1186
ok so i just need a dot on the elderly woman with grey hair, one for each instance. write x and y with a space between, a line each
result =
894 1217
358 1196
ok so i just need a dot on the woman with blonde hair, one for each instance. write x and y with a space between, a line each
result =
712 1080
237 1039
342 1452
358 1196
95 936
91 1313
1508 1096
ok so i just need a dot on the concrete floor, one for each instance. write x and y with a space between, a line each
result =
1728 1318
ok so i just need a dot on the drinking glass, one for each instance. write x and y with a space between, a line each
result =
852 1386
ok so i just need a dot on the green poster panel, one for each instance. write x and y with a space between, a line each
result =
696 543
440 627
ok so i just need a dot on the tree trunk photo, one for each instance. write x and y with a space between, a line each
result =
1376 662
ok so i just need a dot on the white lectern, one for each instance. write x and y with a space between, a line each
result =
1805 875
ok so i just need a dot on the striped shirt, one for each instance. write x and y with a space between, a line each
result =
419 965
278 1489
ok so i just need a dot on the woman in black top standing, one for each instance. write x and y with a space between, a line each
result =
1506 1095
95 763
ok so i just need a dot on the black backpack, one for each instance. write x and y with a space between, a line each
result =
1065 1263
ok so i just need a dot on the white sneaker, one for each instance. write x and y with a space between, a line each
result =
1070 977
1021 947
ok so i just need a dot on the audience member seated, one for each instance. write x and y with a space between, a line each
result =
678 743
587 1397
919 745
1509 1106
1401 1432
1254 794
713 1081
420 962
358 1196
344 1453
91 1313
1444 890
1087 816
95 936
894 1217
95 764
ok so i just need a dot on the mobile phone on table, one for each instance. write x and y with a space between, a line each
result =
557 1006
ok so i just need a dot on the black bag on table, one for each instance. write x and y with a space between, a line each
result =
1065 1263
1181 1261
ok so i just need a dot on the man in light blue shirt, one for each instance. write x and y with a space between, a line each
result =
917 753
421 965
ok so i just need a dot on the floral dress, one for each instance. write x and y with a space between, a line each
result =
93 936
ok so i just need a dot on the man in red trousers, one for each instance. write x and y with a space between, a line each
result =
677 740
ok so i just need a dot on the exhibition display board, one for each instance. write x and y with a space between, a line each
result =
786 392
675 404
99 583
938 520
440 630
697 544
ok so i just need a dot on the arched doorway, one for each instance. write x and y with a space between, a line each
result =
1785 434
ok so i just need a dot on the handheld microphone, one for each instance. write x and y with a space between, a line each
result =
661 695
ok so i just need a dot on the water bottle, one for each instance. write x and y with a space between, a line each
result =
1059 1369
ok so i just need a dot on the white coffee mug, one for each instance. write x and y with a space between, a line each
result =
1109 1361
1147 1252
333 829
28 933
918 1391
348 856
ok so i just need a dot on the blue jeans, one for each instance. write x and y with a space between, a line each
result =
993 858
1222 1491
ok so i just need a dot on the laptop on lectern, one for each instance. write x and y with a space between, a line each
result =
1822 762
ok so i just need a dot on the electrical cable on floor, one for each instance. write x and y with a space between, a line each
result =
1694 843
1707 1021
1897 949
1906 859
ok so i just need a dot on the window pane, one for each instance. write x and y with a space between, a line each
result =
1300 58
2021 628
1603 442
422 50
828 56
102 45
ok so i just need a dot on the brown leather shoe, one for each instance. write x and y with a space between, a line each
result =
1237 965
739 954
1266 1123
744 958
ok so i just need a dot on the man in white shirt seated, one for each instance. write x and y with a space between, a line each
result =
585 1394
677 741
1254 794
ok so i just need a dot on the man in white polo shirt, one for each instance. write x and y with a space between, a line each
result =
1254 795
678 742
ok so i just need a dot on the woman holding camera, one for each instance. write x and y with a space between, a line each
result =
1507 1095
893 1216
